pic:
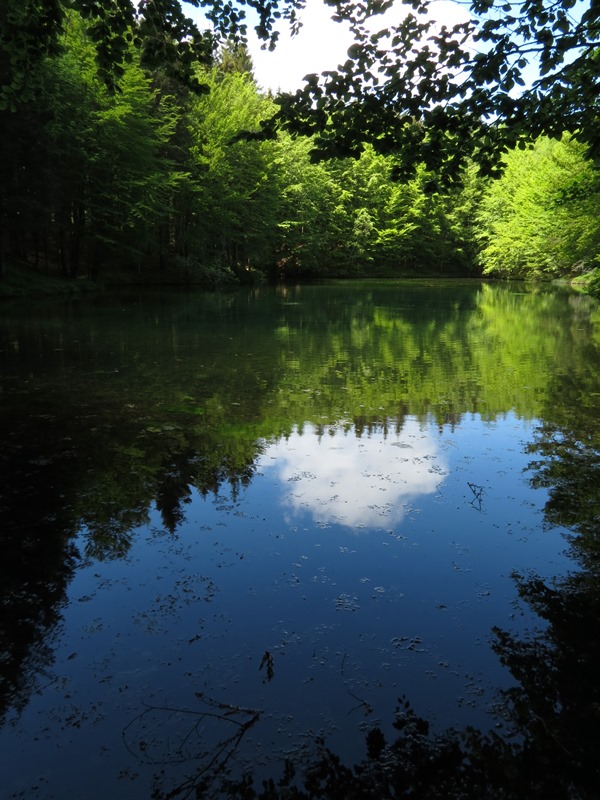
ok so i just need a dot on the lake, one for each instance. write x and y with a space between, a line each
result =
314 535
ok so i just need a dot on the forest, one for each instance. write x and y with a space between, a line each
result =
328 534
150 179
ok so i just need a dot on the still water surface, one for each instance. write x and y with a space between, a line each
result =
238 526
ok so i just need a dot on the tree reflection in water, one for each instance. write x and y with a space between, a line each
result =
552 753
553 711
96 462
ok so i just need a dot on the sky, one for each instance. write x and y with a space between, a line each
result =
321 44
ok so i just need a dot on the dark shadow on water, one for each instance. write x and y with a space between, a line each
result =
553 715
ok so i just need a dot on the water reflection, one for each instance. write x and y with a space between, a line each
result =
169 472
343 478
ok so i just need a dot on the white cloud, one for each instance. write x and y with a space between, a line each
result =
322 44
357 482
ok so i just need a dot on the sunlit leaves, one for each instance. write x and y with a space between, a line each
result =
516 71
234 175
541 218
479 71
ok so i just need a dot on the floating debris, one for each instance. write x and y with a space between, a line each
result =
347 602
267 661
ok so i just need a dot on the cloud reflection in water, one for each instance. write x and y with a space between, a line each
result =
358 482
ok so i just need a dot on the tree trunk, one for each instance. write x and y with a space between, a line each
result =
76 236
2 261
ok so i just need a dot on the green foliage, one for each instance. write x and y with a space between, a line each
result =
234 179
442 97
541 218
163 36
594 281
235 57
345 217
29 30
310 214
155 182
132 179
434 95
85 180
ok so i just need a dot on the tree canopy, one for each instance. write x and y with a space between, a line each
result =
133 149
512 72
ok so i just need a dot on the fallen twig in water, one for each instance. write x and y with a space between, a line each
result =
215 755
478 492
361 704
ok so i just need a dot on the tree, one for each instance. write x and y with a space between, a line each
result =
235 57
84 178
234 203
312 224
541 218
388 228
30 30
438 96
